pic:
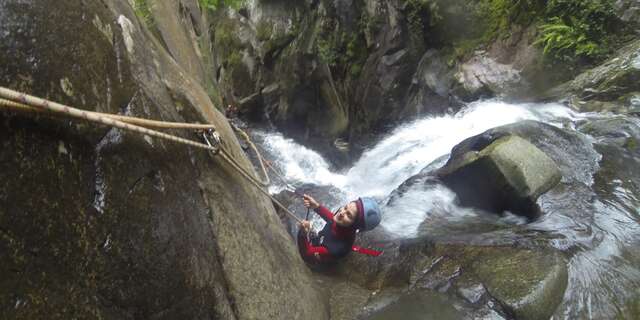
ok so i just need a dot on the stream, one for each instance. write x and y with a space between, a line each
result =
594 221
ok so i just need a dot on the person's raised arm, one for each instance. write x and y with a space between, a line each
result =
311 203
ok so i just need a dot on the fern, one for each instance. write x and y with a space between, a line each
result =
563 41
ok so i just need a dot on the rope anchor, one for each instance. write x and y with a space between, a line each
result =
215 137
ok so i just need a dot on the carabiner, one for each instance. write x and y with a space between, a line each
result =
210 133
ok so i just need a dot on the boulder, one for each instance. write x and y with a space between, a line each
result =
607 86
505 280
628 11
617 139
508 173
482 75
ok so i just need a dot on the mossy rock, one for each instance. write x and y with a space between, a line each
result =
530 283
510 173
523 283
613 79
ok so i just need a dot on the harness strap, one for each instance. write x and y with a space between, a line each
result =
369 252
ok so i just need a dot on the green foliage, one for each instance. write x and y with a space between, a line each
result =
216 4
370 24
562 41
234 60
328 50
225 40
421 14
569 29
577 29
142 10
500 15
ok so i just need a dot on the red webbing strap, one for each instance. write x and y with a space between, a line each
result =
369 252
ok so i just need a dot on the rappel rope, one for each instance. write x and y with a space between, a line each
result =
22 102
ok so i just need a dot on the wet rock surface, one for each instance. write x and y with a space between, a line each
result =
608 87
100 223
498 174
483 271
476 280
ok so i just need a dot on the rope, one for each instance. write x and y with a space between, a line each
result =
262 161
246 137
34 104
132 120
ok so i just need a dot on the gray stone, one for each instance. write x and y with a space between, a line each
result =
601 88
508 174
473 293
484 73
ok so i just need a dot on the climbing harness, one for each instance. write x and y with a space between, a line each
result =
22 102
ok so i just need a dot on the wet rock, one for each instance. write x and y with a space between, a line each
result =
628 11
529 284
505 281
473 293
618 141
482 75
430 91
502 173
597 89
122 226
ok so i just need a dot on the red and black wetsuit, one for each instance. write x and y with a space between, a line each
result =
331 243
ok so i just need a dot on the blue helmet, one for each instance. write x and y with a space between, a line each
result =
369 213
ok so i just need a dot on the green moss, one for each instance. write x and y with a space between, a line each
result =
631 144
143 11
421 15
631 309
465 47
234 60
500 15
225 39
329 49
264 30
217 4
569 30
370 25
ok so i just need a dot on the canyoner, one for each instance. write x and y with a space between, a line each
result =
335 240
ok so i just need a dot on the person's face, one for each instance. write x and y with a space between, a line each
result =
346 215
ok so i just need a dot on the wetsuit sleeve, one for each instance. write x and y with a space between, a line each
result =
309 251
324 213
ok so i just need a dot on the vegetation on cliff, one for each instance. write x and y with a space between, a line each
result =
215 4
569 31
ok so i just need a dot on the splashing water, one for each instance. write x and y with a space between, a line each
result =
600 235
406 150
411 147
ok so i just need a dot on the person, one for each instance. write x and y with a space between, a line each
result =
336 239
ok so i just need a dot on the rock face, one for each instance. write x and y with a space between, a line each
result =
499 173
628 11
100 223
323 71
612 86
479 278
618 140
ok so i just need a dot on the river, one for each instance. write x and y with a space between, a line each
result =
594 224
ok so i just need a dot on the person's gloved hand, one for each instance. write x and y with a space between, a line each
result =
310 202
306 225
